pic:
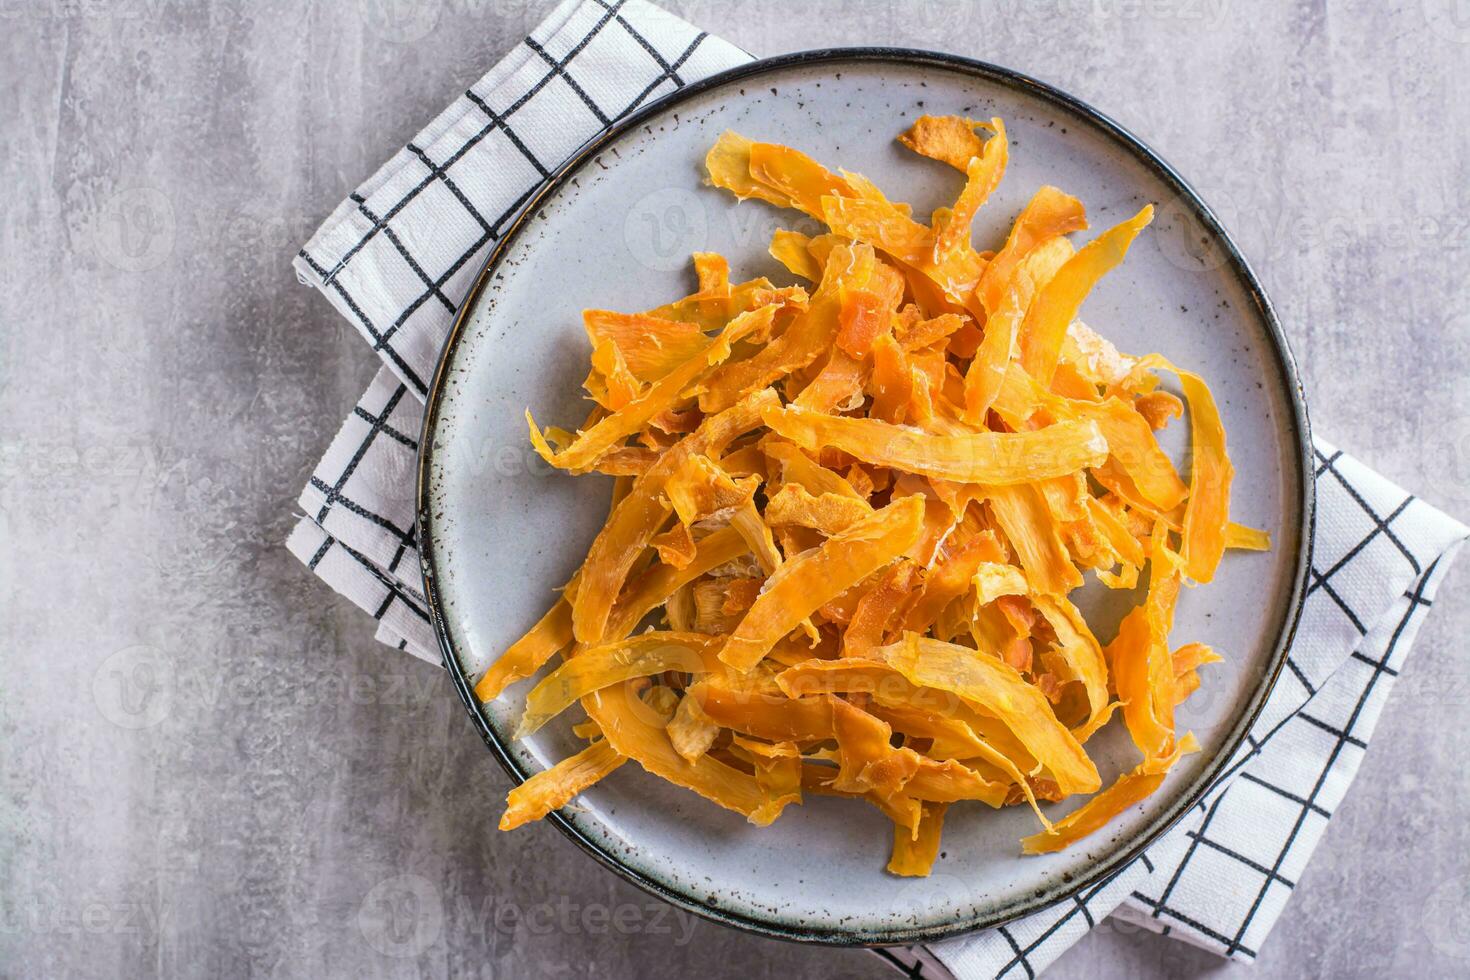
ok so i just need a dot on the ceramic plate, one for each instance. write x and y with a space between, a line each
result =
615 229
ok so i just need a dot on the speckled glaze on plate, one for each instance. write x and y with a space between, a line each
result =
614 229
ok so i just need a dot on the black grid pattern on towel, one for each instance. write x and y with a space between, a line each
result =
358 532
463 237
362 491
398 255
385 598
1263 818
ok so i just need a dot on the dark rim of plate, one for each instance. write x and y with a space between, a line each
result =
1286 364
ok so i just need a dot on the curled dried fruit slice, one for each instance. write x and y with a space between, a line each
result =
633 732
777 772
1057 304
804 583
1130 788
525 656
997 689
1049 215
982 176
948 139
1143 669
650 346
552 789
982 457
612 663
914 851
639 515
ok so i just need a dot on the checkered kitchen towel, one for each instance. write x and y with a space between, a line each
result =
398 255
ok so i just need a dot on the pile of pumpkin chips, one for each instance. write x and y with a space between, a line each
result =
848 515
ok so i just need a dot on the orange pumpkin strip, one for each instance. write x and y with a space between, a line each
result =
1158 407
999 458
982 176
914 852
1207 511
728 165
950 781
638 516
612 663
1048 215
948 139
792 249
777 770
1246 538
796 176
552 789
801 586
1079 651
1129 789
525 656
1057 304
999 690
1143 669
630 731
987 370
676 546
867 761
648 345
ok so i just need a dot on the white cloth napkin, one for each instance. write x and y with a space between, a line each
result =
397 257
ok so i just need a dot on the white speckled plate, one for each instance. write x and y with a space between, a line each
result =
615 230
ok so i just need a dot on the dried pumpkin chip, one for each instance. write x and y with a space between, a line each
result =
982 176
612 663
862 512
1246 538
1057 304
1129 789
632 733
810 579
998 458
948 139
998 689
1048 215
552 789
914 852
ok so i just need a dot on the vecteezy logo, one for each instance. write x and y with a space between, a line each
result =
401 21
1446 918
664 227
391 473
1184 239
135 229
133 688
1450 19
401 916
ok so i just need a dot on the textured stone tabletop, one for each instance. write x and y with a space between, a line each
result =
208 768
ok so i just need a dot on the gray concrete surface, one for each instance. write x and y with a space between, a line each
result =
253 805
